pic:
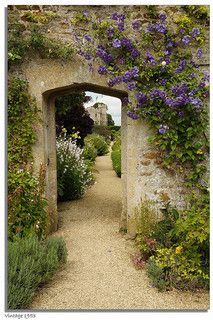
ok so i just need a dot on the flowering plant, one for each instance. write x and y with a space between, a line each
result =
157 64
73 176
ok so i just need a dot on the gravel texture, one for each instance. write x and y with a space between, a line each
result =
99 274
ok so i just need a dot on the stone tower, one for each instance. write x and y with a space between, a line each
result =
98 112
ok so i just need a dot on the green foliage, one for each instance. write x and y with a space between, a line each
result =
72 115
110 121
73 175
151 11
26 204
90 152
99 143
157 275
162 229
116 155
22 42
182 253
39 16
31 263
199 12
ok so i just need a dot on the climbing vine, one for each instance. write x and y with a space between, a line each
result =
158 62
26 204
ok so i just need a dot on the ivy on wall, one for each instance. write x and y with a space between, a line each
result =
26 203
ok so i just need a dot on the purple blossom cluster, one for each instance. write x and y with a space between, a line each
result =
132 115
135 53
150 58
136 25
158 27
119 17
121 26
88 38
178 101
162 16
141 99
125 101
157 93
191 93
199 53
163 82
179 89
195 32
114 81
196 102
102 70
162 129
106 57
132 85
186 40
127 43
116 43
110 32
181 67
130 74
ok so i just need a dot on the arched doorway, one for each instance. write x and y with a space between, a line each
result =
49 78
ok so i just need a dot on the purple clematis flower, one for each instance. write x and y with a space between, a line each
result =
199 53
132 115
162 129
116 43
102 70
136 25
186 40
195 32
162 16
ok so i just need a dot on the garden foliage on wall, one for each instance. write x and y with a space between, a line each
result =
27 35
26 204
158 62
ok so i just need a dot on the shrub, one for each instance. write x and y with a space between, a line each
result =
182 254
98 142
116 154
90 152
116 161
157 275
31 263
73 176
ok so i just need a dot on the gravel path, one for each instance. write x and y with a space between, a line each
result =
99 273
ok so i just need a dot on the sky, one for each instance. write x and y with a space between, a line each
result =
113 104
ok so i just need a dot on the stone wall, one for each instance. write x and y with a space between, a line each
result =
142 174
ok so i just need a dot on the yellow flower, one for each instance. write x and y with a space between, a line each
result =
178 249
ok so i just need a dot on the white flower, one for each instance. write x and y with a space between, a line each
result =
163 63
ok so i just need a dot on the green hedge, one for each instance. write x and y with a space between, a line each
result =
116 154
31 263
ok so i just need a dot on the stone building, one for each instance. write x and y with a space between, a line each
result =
98 113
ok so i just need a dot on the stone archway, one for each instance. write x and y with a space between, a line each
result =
48 79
